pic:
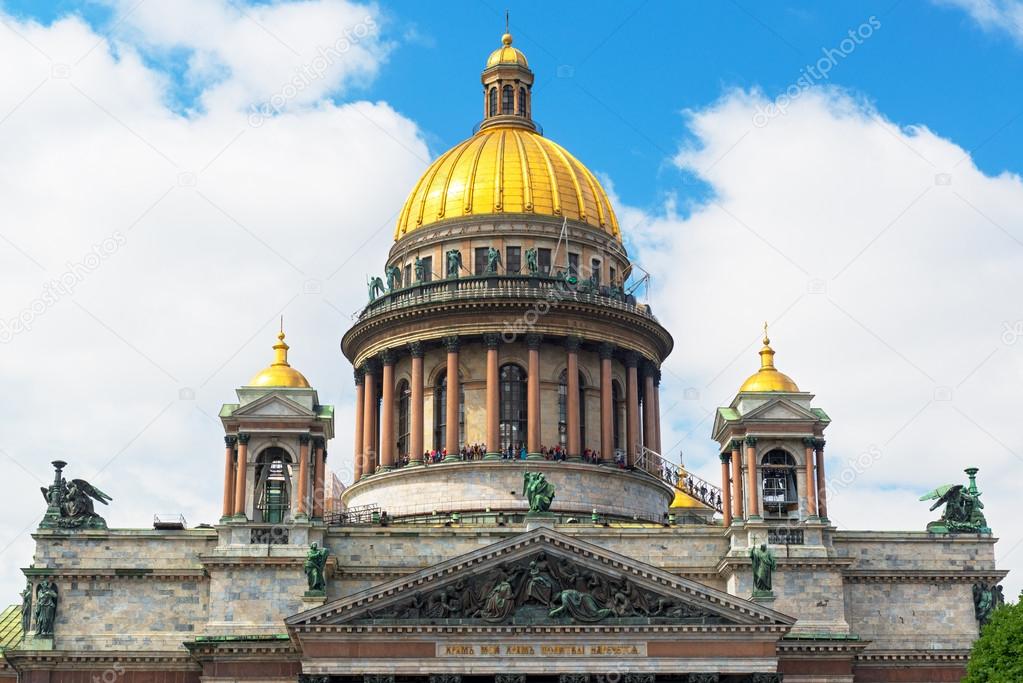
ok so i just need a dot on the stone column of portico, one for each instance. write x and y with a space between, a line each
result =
416 435
387 442
369 419
726 491
303 475
492 341
533 398
736 479
657 411
359 407
607 445
632 447
572 400
241 469
229 443
320 476
451 434
811 483
649 409
822 488
752 493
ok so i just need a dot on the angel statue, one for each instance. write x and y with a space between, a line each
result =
376 287
454 262
493 260
393 278
72 505
962 513
531 261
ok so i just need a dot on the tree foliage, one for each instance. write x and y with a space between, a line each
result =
997 655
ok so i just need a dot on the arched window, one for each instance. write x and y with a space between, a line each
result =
440 414
522 101
617 408
404 395
273 485
779 473
507 100
563 410
513 410
492 104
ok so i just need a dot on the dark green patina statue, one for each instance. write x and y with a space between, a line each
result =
453 258
580 606
71 506
539 492
393 278
986 599
764 565
46 607
493 260
532 266
316 568
376 288
962 513
26 609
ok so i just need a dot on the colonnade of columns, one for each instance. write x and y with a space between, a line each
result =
309 471
735 492
371 429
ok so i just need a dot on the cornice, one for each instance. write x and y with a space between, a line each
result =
716 630
923 576
183 574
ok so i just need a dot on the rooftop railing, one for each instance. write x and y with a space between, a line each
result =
690 484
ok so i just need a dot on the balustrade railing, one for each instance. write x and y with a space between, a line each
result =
690 484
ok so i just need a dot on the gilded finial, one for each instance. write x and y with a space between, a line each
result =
280 348
506 39
766 353
766 338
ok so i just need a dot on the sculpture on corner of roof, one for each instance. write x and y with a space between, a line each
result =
376 287
71 506
393 278
539 492
316 568
962 513
764 565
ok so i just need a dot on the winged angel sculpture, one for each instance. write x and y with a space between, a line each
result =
75 503
963 507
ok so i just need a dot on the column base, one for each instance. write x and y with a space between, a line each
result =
492 456
535 456
385 468
452 458
414 463
574 458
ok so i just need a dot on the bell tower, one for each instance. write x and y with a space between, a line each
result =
275 448
507 87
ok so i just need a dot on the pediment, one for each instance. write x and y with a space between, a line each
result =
273 405
540 578
780 409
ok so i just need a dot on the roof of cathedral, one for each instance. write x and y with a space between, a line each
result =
507 168
10 627
767 378
280 373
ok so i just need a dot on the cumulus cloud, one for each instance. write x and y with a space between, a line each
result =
148 248
889 268
994 15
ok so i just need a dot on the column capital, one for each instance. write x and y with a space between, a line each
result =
631 359
243 438
491 340
371 367
607 350
725 458
452 343
319 442
736 444
650 369
360 376
751 441
416 349
230 440
819 444
533 341
387 357
304 439
810 442
573 343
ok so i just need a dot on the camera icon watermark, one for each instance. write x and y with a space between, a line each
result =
817 286
1011 332
943 179
943 394
59 70
187 179
691 394
565 71
186 394
312 286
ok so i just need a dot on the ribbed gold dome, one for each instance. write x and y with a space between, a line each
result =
280 373
768 378
507 170
506 54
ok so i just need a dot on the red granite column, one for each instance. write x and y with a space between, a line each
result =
632 411
229 443
822 488
726 491
387 440
359 408
320 478
811 483
572 400
452 432
369 420
303 475
607 445
533 342
241 469
416 399
736 479
752 492
492 341
649 409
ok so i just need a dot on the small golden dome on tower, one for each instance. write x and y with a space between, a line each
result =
279 373
506 54
768 378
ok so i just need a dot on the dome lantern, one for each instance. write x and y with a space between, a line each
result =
280 373
507 85
768 378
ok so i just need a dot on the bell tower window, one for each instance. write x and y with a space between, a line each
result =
507 100
522 101
273 485
492 104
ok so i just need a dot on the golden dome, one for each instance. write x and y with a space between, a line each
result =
507 169
279 373
768 378
684 500
506 54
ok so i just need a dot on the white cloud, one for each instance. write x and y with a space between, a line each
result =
889 267
179 239
994 15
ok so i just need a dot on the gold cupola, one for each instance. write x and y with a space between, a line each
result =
508 167
280 373
768 378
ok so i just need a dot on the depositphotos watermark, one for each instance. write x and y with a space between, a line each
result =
811 74
62 286
313 71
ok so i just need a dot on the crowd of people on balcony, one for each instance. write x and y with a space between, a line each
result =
477 451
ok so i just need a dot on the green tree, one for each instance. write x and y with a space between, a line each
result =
997 655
